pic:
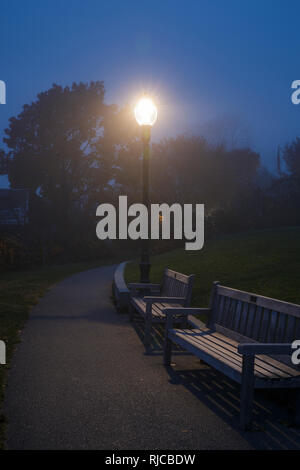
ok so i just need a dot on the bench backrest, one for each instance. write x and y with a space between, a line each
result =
177 285
254 316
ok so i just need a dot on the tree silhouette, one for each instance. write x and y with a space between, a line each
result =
58 149
291 156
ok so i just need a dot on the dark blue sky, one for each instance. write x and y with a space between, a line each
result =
204 61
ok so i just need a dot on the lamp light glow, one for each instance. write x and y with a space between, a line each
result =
145 112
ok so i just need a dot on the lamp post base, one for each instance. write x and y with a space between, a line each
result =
145 271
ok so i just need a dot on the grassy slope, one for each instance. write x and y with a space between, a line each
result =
265 262
19 292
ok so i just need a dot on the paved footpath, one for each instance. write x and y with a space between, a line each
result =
80 379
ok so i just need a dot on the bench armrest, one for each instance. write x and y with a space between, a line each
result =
251 349
172 312
151 299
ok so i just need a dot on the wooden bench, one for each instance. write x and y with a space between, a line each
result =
247 337
175 290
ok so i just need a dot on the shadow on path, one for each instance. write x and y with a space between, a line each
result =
272 412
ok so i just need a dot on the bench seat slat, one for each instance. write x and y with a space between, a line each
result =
236 359
270 360
218 351
218 345
262 361
213 359
157 308
234 343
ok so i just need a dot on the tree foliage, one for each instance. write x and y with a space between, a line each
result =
291 157
55 143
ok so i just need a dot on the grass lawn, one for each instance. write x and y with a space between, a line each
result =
19 292
265 262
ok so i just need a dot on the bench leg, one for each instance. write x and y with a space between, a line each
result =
148 326
131 312
167 350
247 392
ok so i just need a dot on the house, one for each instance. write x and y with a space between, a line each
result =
14 207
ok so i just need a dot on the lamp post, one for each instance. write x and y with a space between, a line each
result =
146 115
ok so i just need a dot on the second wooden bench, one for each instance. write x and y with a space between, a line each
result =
175 290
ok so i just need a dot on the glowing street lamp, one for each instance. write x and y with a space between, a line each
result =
146 115
145 112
